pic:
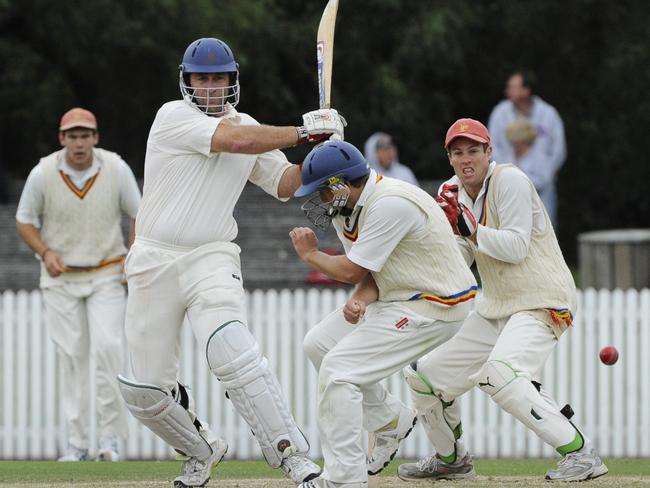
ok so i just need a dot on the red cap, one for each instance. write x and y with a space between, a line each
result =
469 128
78 117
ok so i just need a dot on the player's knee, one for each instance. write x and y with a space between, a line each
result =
313 349
332 372
494 376
144 400
234 356
417 383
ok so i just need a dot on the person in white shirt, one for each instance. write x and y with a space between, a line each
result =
70 215
528 301
381 153
184 264
548 152
413 290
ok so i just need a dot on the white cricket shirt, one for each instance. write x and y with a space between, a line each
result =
521 213
387 222
30 207
190 192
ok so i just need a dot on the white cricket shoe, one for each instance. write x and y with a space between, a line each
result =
108 449
73 454
197 472
298 467
387 440
321 483
580 465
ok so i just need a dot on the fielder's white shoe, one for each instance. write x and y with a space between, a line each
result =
73 454
387 440
108 449
298 467
321 483
196 472
581 465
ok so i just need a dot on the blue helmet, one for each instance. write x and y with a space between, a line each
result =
329 161
209 55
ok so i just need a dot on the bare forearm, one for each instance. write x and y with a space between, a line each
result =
247 139
366 291
289 182
339 268
32 237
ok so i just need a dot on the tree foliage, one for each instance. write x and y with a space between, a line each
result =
409 67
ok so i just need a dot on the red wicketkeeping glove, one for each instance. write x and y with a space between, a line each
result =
460 218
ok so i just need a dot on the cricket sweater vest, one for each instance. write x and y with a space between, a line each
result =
541 284
426 269
83 225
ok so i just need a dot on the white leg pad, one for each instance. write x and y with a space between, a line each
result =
517 396
165 417
234 357
440 420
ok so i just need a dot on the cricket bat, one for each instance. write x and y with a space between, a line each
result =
325 52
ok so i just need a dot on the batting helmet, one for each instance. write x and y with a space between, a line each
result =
209 55
329 161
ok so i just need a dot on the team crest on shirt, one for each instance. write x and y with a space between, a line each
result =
402 323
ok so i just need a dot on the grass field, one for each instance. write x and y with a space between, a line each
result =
257 474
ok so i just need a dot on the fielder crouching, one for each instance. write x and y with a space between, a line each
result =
413 291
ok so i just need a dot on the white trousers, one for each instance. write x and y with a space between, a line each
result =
351 360
520 340
168 283
86 318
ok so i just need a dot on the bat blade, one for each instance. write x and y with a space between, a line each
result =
325 52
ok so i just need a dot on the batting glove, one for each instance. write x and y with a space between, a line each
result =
320 125
460 217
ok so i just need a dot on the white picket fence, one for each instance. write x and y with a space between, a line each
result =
612 404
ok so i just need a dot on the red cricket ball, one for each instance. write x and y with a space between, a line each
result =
609 355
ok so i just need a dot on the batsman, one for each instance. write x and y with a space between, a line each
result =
413 290
184 264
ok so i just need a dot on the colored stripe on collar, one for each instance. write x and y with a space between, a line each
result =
483 217
80 192
450 300
353 233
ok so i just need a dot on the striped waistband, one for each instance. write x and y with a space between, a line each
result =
102 264
449 300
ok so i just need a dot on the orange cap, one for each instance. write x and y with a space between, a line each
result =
469 128
78 117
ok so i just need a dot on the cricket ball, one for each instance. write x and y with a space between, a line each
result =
609 355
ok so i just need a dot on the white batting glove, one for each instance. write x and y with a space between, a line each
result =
340 195
320 125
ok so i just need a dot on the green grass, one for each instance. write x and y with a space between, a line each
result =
26 472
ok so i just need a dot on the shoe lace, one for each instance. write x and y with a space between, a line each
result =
572 457
428 464
193 465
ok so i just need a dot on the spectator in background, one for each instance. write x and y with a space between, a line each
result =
521 134
381 153
547 153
